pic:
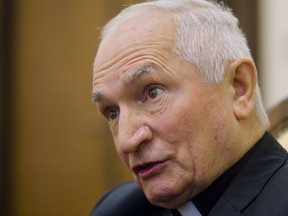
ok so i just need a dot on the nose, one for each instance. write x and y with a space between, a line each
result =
132 133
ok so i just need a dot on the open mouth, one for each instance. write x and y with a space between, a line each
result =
145 167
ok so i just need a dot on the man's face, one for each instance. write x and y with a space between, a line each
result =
169 128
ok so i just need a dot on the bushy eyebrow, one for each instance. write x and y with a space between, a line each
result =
96 97
130 77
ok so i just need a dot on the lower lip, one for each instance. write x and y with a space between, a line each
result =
153 170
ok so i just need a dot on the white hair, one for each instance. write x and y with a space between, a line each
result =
207 35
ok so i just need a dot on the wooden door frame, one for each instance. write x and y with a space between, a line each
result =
5 99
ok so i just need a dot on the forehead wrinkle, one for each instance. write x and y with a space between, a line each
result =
129 77
117 57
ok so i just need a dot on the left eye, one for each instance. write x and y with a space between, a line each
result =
154 92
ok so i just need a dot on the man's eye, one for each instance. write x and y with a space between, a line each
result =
112 114
154 92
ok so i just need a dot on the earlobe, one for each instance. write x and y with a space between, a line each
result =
244 79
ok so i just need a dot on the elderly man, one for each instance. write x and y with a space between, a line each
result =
177 84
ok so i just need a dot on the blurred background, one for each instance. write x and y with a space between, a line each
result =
56 154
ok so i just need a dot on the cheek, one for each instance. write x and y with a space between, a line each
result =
177 132
124 158
194 137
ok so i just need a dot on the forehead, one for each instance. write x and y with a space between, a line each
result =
135 42
145 30
144 21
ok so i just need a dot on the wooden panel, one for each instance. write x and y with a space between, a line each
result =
63 156
246 12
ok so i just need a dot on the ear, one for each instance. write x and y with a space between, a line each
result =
243 79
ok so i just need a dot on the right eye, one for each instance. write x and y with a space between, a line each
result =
112 114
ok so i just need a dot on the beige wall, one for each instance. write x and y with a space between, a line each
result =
273 50
63 157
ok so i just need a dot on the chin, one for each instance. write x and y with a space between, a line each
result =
169 204
167 199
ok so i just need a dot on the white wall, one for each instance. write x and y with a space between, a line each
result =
273 50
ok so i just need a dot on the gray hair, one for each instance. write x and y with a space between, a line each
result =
207 35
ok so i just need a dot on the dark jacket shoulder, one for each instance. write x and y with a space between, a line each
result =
261 186
273 199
